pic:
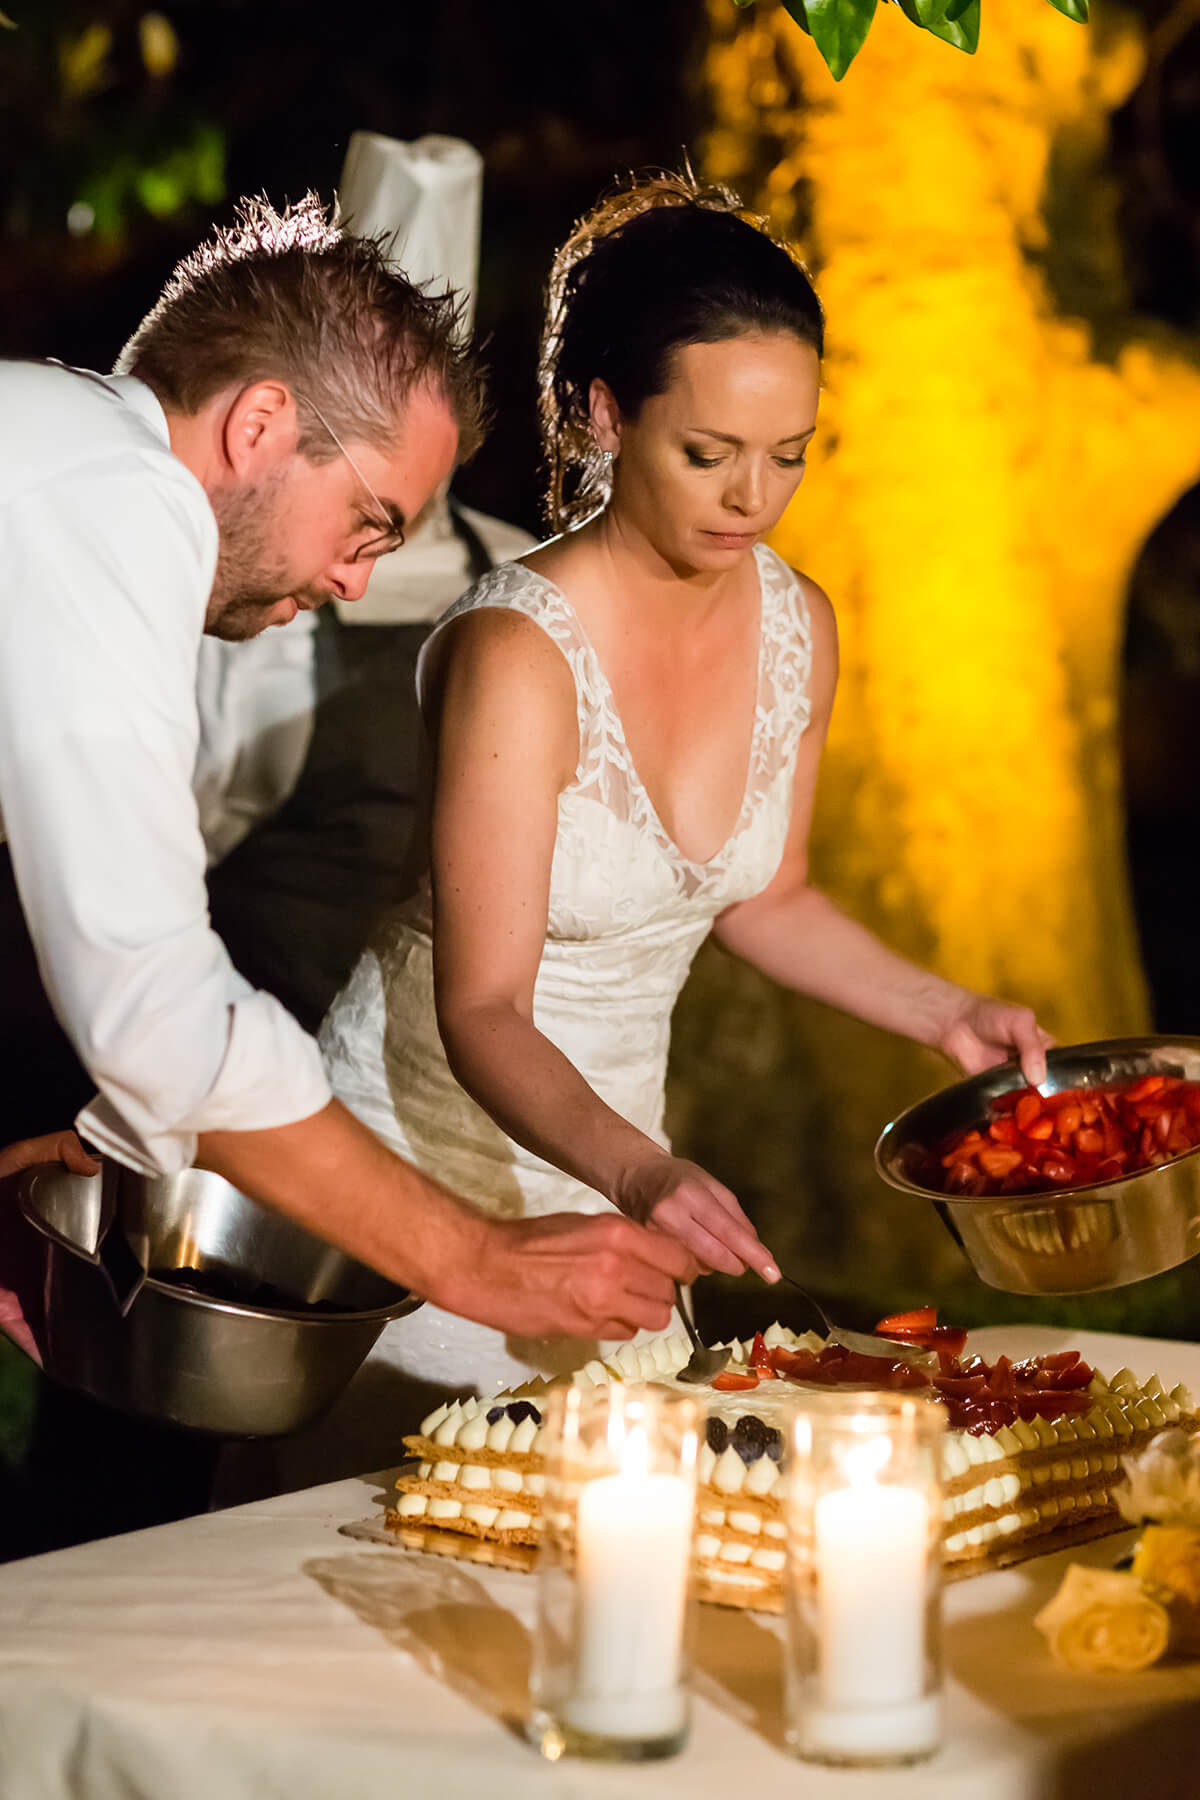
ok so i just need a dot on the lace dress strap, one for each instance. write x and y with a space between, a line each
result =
511 587
785 695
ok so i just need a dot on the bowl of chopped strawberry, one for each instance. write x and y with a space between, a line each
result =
1090 1181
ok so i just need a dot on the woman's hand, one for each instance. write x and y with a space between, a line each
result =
982 1032
20 1264
681 1199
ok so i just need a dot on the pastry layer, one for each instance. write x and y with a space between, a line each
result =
1007 1494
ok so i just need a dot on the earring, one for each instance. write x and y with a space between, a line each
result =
606 457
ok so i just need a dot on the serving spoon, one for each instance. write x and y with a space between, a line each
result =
703 1363
864 1343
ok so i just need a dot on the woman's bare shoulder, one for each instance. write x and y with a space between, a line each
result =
499 643
815 601
497 659
821 616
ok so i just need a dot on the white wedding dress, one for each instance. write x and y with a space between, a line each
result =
627 914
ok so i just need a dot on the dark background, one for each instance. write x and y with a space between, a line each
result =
264 98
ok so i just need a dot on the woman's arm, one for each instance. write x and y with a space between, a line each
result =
503 716
796 935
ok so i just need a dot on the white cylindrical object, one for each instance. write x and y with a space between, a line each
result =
870 1545
424 199
885 1733
863 1584
869 1550
608 1677
633 1550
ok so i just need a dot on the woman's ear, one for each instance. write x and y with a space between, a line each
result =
605 416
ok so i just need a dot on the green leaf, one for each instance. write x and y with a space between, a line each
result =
954 23
1074 9
837 27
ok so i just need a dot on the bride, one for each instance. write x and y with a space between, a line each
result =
627 726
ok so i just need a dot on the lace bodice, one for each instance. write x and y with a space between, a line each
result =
608 794
627 913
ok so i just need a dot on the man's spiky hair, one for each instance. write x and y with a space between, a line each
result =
259 231
290 296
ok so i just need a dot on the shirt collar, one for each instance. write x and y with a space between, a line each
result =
143 401
129 389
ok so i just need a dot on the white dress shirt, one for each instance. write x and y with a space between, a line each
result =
108 547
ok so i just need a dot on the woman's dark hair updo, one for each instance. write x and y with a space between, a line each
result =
661 263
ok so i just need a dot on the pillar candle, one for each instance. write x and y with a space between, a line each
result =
633 1555
871 1543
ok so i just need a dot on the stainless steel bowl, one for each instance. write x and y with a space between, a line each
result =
279 1325
1075 1240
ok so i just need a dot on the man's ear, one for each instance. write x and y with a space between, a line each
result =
259 430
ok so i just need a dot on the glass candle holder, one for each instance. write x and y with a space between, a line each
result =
863 1579
609 1676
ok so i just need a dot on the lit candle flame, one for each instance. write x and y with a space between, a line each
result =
635 1457
864 1462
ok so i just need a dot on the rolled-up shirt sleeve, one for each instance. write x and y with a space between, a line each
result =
105 580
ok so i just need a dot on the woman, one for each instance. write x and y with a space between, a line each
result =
627 727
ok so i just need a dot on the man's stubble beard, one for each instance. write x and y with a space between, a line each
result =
251 577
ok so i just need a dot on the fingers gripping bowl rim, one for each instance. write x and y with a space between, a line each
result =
1072 1240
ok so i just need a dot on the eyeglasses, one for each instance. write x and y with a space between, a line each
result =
391 535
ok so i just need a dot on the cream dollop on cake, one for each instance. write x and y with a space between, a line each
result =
1030 1485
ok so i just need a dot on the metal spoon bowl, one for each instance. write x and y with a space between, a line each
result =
703 1363
864 1343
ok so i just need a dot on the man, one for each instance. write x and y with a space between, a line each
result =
281 413
311 747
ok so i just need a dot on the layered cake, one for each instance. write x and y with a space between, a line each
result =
1033 1451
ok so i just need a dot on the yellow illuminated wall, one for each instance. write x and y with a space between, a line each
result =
995 446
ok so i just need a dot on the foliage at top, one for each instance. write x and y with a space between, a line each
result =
839 27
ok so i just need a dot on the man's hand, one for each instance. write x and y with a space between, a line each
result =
56 1147
684 1201
20 1263
562 1276
570 1275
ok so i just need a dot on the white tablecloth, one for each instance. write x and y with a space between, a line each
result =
256 1654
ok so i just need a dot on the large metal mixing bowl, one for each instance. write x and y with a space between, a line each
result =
1075 1240
274 1325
